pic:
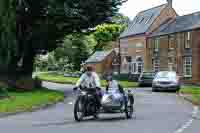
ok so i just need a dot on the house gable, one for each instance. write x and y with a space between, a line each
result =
167 14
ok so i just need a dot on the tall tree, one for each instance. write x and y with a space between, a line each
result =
30 27
76 48
121 19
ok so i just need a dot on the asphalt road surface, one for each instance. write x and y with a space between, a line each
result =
155 113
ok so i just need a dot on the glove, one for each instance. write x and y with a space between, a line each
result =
98 88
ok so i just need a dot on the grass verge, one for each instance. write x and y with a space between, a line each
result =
28 101
56 78
193 91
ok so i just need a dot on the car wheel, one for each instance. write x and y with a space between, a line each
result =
154 89
140 85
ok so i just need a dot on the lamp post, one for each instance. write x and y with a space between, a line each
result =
119 56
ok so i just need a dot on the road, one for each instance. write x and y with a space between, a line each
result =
155 113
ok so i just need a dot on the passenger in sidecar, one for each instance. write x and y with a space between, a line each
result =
115 90
116 100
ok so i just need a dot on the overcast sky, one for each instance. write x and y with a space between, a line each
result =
182 7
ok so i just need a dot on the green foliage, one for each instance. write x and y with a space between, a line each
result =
107 33
121 19
30 27
41 64
27 101
190 90
194 91
8 44
76 49
57 78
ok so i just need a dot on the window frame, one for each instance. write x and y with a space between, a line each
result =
187 65
156 65
157 44
187 40
171 42
124 50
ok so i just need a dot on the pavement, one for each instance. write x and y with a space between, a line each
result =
155 113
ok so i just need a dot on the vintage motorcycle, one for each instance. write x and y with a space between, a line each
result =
86 104
111 102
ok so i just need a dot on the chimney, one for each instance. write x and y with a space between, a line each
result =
170 3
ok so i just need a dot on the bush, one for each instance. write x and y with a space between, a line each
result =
37 82
3 90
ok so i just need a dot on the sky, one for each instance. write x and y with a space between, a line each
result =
182 7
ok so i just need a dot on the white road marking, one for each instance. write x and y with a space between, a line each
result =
195 111
188 123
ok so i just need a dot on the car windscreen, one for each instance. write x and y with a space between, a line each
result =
169 75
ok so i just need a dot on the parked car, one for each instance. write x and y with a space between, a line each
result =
146 79
166 80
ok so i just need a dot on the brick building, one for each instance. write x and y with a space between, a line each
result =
176 46
133 41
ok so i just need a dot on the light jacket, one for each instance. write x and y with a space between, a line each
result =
92 81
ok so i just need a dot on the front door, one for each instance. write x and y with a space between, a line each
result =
137 66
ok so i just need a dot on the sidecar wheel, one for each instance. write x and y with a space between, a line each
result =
78 110
96 116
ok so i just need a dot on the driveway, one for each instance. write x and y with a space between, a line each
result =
155 113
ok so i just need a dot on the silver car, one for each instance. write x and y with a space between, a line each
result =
166 80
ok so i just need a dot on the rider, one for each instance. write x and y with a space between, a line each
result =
90 79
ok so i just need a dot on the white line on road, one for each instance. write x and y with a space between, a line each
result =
188 123
195 111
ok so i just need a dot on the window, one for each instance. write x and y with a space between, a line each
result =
188 40
134 67
124 50
149 19
139 45
157 44
124 65
156 64
141 20
171 42
140 67
139 64
187 67
129 59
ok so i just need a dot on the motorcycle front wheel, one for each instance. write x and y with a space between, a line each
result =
129 108
78 110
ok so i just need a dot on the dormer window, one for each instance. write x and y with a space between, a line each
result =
141 21
148 19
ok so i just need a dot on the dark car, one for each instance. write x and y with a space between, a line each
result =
146 79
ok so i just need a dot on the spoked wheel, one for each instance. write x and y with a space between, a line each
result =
96 116
78 110
129 108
